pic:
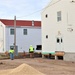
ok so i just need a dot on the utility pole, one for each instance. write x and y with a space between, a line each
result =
15 34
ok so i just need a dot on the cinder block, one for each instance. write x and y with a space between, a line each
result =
69 56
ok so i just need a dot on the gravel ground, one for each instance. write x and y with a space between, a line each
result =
45 66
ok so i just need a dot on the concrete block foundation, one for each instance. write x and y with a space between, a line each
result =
69 56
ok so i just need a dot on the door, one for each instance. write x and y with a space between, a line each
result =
59 42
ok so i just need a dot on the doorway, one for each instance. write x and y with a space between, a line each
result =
59 42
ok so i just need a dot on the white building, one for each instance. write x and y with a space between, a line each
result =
27 33
58 28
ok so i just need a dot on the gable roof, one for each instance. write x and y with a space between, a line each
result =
20 23
54 1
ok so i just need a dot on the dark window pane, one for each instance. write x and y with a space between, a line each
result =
46 36
46 15
58 40
39 47
25 31
61 40
12 31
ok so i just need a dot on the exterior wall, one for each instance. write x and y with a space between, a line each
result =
23 42
51 27
2 37
69 56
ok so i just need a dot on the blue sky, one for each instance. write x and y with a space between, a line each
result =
22 9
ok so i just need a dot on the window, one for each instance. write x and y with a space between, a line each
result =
46 15
46 36
61 40
12 31
25 31
58 40
39 47
59 16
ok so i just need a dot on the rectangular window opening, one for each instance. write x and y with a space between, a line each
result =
12 31
46 36
38 47
25 31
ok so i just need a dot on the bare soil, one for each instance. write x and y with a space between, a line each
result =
45 66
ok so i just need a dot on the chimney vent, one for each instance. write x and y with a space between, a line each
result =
32 22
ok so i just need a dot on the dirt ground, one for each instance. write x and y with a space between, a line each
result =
46 66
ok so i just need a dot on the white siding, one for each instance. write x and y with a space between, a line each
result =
51 27
23 42
2 37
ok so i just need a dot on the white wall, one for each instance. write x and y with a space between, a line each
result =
23 42
51 27
2 37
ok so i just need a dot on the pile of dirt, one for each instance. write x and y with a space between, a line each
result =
23 69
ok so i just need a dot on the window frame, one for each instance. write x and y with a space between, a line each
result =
12 31
25 31
38 47
58 16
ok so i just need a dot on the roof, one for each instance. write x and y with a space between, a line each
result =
20 22
54 1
